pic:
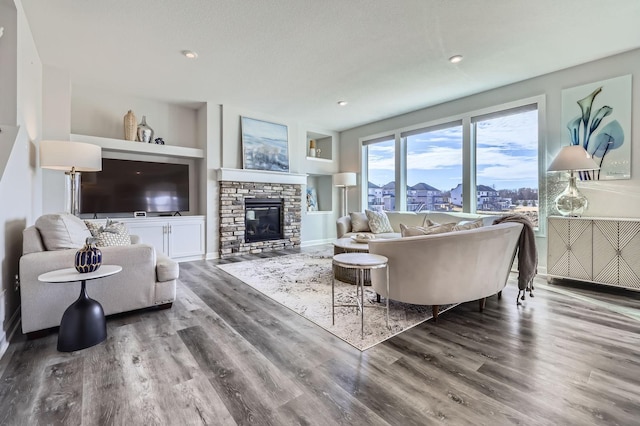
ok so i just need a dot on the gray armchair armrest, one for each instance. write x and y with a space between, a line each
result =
343 225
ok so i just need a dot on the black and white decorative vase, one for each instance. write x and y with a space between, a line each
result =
88 258
145 133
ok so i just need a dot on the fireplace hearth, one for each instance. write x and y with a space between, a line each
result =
263 219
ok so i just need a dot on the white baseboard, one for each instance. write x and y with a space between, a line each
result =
311 243
210 256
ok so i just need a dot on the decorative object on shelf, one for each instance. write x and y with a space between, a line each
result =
265 145
344 180
145 133
72 158
312 200
598 118
130 126
312 148
572 158
159 141
89 257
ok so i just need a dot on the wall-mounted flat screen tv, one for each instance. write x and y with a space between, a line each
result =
125 186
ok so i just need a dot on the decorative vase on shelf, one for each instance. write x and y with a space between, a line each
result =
145 133
88 258
130 126
312 152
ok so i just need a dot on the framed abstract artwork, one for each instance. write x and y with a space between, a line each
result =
265 146
597 116
312 200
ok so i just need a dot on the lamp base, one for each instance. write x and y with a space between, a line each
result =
571 202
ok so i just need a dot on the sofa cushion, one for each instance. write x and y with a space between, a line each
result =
383 236
62 231
378 221
414 231
408 218
111 234
359 222
467 224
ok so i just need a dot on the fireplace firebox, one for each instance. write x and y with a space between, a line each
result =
263 219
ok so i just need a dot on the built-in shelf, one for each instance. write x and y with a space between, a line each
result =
121 145
320 212
326 160
321 186
322 142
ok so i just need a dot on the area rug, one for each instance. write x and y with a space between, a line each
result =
302 283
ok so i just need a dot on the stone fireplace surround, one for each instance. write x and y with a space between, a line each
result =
237 185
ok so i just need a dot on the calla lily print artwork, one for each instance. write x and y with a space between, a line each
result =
598 117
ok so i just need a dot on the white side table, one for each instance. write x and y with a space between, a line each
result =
361 262
83 323
348 245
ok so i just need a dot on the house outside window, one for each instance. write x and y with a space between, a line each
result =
379 157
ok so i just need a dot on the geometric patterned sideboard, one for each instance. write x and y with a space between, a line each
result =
599 250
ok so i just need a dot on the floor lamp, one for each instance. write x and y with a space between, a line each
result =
344 181
72 158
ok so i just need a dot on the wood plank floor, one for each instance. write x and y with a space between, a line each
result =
227 355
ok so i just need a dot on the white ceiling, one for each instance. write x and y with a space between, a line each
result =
296 58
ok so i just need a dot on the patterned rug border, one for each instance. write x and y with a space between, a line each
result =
425 311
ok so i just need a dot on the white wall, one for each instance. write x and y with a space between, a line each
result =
620 198
96 112
19 186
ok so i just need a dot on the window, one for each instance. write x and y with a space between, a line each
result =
484 161
434 167
380 173
506 144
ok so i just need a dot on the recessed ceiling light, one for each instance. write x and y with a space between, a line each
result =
455 59
190 54
342 103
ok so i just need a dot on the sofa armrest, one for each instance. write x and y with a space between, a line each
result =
343 225
167 269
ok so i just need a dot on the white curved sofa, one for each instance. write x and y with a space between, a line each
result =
441 269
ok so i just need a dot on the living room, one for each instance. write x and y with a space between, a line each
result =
44 100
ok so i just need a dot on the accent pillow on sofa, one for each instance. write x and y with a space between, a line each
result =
359 222
414 231
378 221
62 231
111 234
464 225
428 222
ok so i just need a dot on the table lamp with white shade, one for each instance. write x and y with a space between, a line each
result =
572 158
344 180
72 158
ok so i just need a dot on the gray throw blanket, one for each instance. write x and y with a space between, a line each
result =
527 253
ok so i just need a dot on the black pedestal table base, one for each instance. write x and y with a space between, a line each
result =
83 324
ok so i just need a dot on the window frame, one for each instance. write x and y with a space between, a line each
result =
468 154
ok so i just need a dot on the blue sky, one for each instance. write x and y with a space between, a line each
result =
506 156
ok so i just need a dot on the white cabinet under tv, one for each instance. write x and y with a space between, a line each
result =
179 237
